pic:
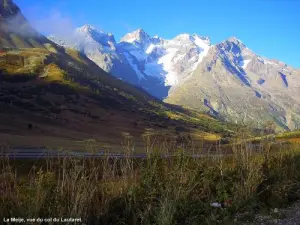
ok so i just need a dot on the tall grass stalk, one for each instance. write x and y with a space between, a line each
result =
174 184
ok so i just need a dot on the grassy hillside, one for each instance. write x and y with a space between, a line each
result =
66 96
49 94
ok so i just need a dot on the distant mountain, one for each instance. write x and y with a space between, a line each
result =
227 79
238 84
152 63
60 92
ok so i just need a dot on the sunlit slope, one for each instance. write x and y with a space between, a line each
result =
46 90
62 93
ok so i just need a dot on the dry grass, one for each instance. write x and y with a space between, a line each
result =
75 55
53 73
294 140
154 190
206 136
24 61
289 134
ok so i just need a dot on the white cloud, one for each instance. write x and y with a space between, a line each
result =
54 23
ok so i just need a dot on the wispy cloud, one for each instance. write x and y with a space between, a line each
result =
54 23
18 24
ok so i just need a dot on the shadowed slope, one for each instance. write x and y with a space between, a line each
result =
60 93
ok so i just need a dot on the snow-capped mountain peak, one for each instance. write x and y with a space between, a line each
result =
199 39
87 28
189 70
193 38
183 37
92 33
236 53
166 61
234 44
136 36
234 40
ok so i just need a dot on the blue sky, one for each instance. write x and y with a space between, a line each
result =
271 28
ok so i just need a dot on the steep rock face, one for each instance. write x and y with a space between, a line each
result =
102 48
238 85
227 79
152 63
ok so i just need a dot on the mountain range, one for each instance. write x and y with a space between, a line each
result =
152 63
53 95
227 79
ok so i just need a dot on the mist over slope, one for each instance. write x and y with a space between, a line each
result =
15 30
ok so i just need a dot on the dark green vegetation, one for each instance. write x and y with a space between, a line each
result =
155 190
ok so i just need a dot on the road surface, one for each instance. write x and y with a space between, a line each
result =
36 153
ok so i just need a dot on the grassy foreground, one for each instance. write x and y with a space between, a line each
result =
154 190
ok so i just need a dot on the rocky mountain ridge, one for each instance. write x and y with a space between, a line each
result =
152 63
227 79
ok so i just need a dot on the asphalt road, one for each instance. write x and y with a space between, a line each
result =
35 153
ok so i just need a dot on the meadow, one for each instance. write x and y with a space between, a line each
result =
177 189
